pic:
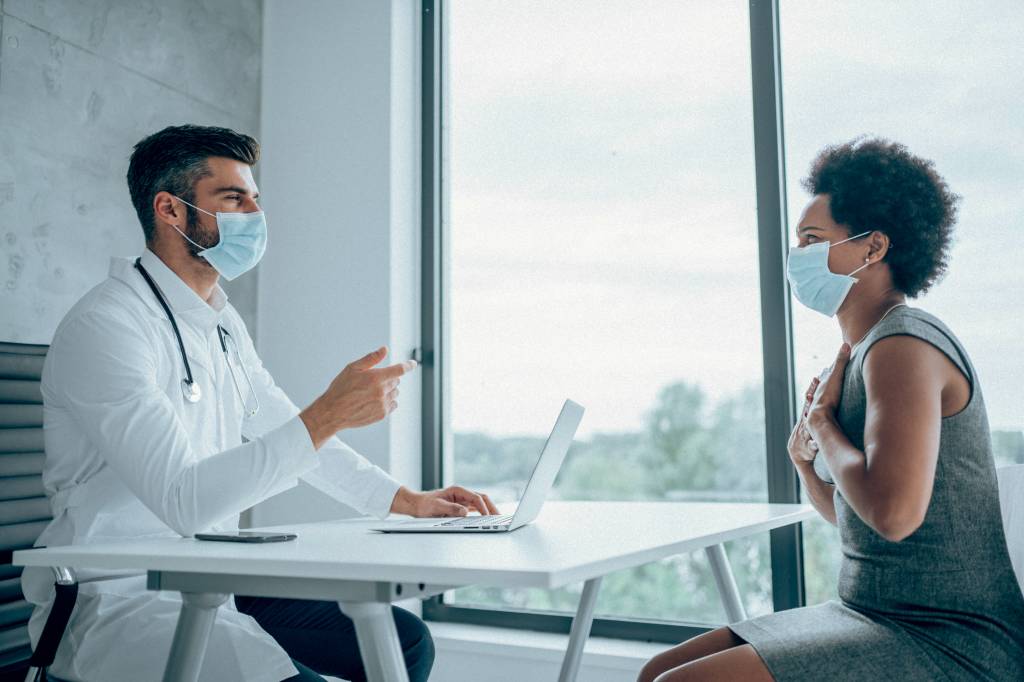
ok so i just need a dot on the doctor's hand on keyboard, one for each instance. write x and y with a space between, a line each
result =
361 394
451 501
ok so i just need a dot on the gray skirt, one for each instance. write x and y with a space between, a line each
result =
833 642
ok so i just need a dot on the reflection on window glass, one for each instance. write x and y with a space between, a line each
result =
602 246
945 80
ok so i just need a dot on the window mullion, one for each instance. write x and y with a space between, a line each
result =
776 316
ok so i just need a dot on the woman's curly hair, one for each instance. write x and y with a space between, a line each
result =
876 184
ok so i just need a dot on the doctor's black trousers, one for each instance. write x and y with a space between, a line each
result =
321 640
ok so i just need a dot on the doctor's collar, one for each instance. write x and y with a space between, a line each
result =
181 297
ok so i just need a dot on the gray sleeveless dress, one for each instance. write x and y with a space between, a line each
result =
944 603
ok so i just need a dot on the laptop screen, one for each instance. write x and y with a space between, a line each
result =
551 458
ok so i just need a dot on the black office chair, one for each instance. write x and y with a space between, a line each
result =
24 513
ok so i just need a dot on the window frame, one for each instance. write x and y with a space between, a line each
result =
776 325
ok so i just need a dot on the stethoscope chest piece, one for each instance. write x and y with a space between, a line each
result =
191 391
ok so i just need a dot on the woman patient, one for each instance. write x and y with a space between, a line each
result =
892 447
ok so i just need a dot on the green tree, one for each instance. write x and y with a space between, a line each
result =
681 455
607 467
1008 447
738 458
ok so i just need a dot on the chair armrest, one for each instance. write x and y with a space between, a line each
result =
63 575
66 588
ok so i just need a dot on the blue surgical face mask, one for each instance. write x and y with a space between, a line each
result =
243 239
813 283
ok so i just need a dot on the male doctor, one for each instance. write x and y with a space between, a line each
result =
149 386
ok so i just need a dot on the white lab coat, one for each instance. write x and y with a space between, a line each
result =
128 457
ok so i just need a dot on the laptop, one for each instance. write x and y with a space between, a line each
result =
537 488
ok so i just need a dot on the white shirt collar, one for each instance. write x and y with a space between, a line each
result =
183 301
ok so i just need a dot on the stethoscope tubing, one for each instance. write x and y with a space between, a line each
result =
191 389
167 309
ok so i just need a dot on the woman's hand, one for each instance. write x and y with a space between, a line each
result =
802 447
822 412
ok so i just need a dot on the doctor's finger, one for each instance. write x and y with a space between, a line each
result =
446 508
476 502
397 370
491 507
370 359
468 498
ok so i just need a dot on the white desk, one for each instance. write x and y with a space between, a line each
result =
365 571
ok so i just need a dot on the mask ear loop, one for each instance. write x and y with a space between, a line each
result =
848 239
215 215
203 248
867 261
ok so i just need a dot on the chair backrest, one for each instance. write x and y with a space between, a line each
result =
24 509
1011 501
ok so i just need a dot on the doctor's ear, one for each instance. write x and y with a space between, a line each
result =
168 209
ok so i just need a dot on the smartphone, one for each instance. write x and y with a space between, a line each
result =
246 536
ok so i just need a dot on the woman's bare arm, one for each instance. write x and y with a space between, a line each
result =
820 493
889 483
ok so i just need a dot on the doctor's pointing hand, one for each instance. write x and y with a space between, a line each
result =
363 394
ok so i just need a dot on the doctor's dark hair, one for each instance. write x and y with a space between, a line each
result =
876 184
174 159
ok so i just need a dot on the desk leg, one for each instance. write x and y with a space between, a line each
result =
378 640
198 611
726 583
580 631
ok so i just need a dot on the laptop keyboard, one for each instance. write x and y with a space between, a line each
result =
478 521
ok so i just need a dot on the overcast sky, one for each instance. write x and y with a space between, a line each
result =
602 207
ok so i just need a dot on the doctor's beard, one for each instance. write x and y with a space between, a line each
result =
195 231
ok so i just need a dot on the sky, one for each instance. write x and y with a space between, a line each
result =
602 214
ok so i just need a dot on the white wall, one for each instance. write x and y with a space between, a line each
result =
340 181
80 84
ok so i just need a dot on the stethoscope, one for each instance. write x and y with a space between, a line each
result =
189 387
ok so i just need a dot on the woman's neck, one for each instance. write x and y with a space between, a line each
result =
858 315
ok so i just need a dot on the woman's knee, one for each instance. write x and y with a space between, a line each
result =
651 670
736 663
666 660
702 645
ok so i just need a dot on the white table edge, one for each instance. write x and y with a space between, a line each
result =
84 556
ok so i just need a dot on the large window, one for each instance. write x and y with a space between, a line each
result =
601 243
603 247
596 234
